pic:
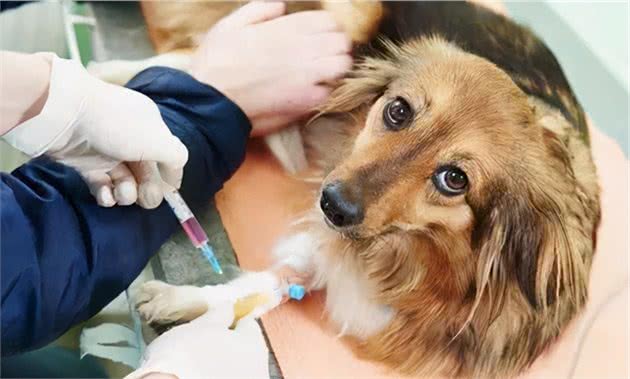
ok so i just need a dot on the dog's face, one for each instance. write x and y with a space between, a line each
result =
446 127
449 147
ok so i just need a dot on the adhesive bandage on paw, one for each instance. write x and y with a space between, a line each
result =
245 305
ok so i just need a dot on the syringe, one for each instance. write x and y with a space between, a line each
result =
191 226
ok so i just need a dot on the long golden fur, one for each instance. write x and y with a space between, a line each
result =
483 284
480 284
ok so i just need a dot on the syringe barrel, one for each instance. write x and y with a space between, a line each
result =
195 232
178 205
191 226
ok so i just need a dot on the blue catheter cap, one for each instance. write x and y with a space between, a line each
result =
296 292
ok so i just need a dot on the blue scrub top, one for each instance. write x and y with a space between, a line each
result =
63 258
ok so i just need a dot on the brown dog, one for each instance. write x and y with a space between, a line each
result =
455 225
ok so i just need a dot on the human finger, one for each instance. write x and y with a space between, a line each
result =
329 44
171 176
150 192
125 186
307 22
100 186
329 68
164 149
255 12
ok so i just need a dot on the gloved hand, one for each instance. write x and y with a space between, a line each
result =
272 66
113 136
207 348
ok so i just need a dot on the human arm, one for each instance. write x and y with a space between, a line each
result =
63 256
23 87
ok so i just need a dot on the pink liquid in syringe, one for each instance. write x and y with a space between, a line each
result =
194 231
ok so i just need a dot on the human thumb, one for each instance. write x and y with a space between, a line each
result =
170 154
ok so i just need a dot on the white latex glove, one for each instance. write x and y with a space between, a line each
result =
113 136
207 348
273 66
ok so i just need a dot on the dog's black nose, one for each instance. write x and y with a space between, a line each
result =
339 207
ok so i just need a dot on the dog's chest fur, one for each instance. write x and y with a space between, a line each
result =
350 300
350 303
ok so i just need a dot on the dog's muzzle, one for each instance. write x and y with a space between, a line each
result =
340 206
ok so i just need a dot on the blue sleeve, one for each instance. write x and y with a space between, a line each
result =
6 5
63 258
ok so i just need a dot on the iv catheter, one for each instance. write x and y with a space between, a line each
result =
191 226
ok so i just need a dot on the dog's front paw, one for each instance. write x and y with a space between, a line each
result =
162 303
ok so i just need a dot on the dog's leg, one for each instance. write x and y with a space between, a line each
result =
298 254
295 265
295 256
121 71
287 146
162 303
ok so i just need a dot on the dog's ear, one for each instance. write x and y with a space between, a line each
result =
536 234
331 132
514 245
363 85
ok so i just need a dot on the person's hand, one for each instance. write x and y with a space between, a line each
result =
273 67
207 347
113 136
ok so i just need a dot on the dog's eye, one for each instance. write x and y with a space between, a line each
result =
450 181
397 114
